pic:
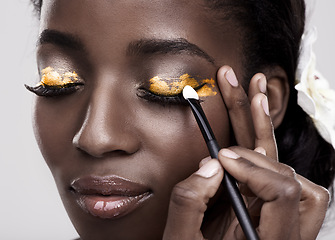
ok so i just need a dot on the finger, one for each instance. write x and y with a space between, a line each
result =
314 198
243 188
313 208
260 150
258 84
264 132
203 161
188 202
258 157
264 161
238 106
281 194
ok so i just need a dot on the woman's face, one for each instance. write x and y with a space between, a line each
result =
114 147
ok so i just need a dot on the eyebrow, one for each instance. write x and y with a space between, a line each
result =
138 47
61 39
167 46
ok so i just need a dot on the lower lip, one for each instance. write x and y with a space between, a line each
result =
111 206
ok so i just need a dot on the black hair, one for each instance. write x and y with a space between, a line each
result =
272 34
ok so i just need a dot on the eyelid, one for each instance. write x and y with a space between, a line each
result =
55 84
173 86
177 94
53 78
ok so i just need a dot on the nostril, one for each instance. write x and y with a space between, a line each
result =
103 145
85 153
93 148
102 154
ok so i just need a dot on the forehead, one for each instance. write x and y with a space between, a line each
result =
116 23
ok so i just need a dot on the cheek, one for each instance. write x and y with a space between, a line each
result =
174 140
54 128
173 146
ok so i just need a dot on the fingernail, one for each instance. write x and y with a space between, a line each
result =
262 84
209 169
203 161
231 78
265 105
260 150
229 154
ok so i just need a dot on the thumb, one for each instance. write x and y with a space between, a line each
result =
189 202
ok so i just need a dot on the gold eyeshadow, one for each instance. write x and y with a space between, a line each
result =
52 78
174 86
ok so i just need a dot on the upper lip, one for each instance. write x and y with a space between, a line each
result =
107 185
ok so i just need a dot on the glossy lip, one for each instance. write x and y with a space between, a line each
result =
109 196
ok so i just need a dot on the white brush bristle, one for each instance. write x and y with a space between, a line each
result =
190 93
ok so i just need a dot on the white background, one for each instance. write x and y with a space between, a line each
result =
30 207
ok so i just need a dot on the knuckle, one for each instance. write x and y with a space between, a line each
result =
287 170
238 101
321 195
291 189
185 197
241 102
252 168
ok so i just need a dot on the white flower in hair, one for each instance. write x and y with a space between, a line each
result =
314 94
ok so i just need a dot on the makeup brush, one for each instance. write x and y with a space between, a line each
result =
237 202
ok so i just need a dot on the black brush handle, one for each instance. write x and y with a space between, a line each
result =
235 197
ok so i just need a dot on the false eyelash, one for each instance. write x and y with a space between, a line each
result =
160 99
51 91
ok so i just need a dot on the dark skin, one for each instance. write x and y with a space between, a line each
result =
106 128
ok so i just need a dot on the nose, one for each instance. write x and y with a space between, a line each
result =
106 128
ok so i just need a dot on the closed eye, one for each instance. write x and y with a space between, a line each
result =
54 83
160 99
177 99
